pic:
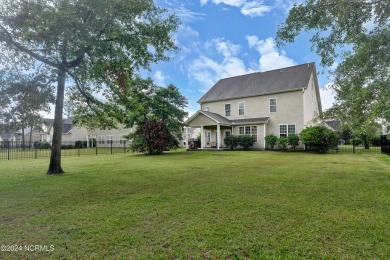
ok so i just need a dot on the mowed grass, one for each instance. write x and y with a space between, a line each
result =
209 204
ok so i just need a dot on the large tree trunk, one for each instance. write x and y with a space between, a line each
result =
55 158
30 144
23 146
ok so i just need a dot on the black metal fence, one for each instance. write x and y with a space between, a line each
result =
359 145
14 150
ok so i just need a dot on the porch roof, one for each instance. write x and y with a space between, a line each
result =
218 119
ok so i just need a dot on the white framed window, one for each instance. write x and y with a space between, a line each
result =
248 130
286 130
101 139
254 133
241 108
272 105
122 140
227 110
109 139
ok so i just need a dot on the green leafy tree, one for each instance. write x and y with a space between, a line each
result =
319 138
356 32
103 44
24 97
271 140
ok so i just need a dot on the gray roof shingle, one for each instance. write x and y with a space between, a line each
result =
224 120
259 83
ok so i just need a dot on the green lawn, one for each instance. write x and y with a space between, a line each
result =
227 204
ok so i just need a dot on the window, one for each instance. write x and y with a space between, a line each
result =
272 105
101 139
241 108
227 109
248 130
109 139
254 133
286 130
122 140
207 109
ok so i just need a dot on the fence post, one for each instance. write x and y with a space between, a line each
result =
9 147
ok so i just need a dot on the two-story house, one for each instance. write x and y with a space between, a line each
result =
280 102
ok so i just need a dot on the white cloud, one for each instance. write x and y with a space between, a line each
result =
208 72
248 8
270 57
327 96
159 78
254 9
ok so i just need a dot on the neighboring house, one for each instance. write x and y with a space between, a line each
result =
280 102
71 133
9 136
189 133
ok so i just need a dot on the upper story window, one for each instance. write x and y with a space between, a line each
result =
227 110
207 109
286 130
241 108
272 105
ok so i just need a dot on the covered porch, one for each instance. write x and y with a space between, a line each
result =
214 128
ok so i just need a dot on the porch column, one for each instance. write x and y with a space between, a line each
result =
186 139
264 134
218 136
202 137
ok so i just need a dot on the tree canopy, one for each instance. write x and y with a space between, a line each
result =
23 98
356 33
100 45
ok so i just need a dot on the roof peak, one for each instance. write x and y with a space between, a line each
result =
261 72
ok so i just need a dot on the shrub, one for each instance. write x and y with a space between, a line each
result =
271 140
40 145
232 141
356 142
282 143
78 144
245 141
319 138
293 141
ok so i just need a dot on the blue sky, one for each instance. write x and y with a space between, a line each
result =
225 38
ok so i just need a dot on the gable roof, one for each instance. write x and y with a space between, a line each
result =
218 119
260 83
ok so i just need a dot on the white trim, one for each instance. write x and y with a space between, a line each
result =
287 124
230 110
243 102
269 105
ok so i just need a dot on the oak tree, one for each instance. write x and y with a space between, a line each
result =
92 43
356 35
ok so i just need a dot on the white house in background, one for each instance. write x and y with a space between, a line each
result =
280 102
71 133
189 133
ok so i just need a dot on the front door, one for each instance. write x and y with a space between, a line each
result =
208 138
